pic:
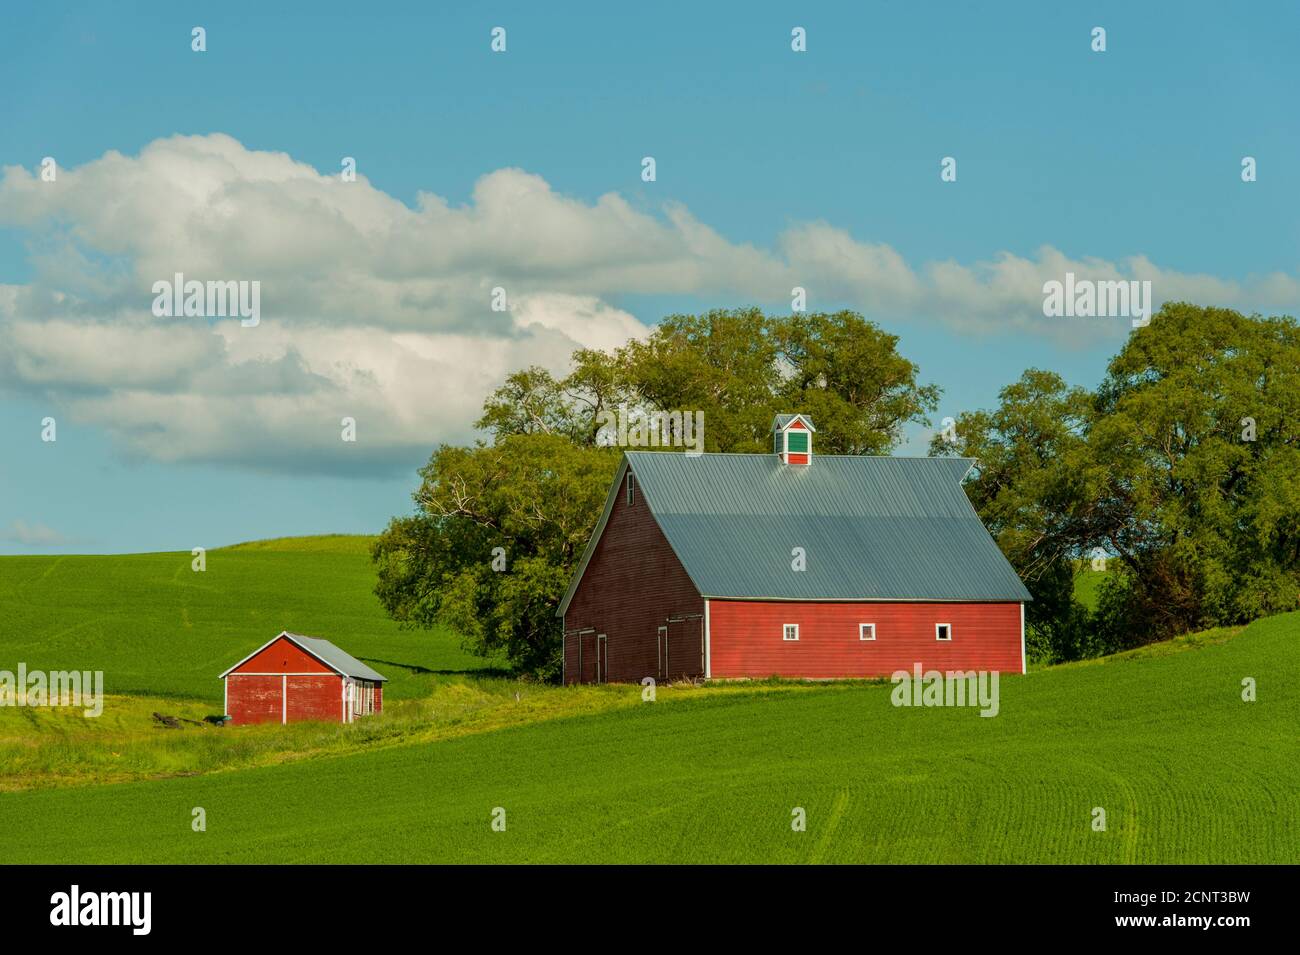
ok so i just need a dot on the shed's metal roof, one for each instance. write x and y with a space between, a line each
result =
872 528
332 656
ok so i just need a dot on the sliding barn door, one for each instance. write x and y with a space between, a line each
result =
685 649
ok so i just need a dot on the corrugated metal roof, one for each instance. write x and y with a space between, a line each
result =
345 663
872 527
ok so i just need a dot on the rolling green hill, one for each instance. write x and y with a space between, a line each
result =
1087 586
157 628
1159 738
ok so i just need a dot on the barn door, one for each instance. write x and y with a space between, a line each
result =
590 661
685 648
663 654
602 659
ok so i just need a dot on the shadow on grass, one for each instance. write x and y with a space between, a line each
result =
495 672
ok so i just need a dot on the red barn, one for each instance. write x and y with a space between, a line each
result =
755 565
293 678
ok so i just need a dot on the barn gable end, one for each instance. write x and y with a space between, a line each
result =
630 585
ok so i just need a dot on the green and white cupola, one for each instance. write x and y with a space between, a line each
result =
792 438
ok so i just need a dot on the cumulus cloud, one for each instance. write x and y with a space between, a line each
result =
379 311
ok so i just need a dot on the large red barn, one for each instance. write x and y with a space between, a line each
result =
293 678
755 565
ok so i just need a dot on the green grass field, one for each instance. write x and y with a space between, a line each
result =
1159 738
1087 586
156 627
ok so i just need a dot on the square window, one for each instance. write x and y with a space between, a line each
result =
943 631
866 631
790 631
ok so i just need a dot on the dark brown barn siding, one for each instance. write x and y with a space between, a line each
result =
633 585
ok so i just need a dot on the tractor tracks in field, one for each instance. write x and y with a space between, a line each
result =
838 806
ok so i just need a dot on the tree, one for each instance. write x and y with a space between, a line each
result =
1197 425
497 533
1030 488
739 368
530 402
1183 466
533 401
722 363
848 375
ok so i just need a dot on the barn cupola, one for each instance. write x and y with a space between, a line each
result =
792 438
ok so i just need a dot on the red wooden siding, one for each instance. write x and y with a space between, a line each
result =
258 698
315 698
282 656
253 698
633 585
746 638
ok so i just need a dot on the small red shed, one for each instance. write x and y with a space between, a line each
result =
292 678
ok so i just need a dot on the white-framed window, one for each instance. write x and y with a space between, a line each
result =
631 489
943 631
866 631
790 631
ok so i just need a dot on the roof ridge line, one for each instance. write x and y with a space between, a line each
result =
820 455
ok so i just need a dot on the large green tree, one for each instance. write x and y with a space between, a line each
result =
847 374
494 541
1195 442
1183 468
738 368
534 494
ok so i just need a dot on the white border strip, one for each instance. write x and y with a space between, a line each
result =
708 644
1024 663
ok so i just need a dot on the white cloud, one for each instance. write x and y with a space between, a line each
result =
30 535
379 311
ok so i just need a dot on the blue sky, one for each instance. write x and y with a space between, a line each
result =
1108 159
